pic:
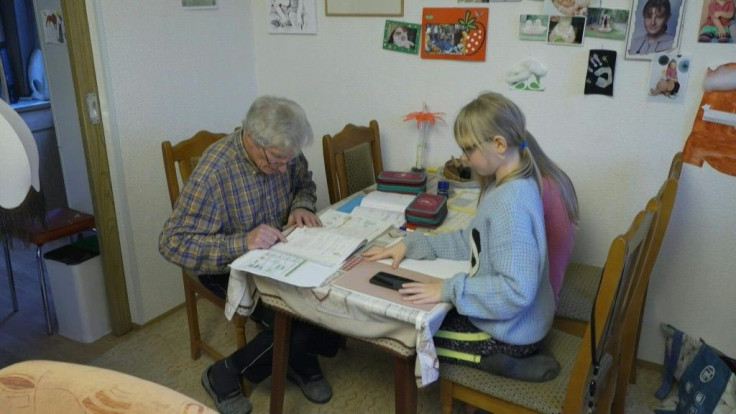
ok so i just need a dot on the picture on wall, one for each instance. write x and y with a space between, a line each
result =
600 73
566 7
199 4
566 30
292 16
533 27
607 23
715 25
668 78
454 33
654 27
401 36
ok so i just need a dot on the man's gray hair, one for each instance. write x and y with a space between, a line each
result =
278 122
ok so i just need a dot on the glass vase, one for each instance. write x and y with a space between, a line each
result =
421 147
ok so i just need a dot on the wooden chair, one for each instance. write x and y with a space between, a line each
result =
589 367
186 155
581 280
352 159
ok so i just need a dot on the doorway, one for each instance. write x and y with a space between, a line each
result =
90 151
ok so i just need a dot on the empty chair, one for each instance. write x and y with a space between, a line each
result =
581 280
185 155
589 364
352 159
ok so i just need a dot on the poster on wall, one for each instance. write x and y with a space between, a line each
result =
292 16
454 33
654 27
668 78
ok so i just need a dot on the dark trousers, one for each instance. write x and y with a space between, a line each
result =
254 360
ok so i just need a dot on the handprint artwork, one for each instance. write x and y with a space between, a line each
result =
601 68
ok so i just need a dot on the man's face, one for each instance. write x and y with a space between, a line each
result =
654 21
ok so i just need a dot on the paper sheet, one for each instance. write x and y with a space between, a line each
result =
307 274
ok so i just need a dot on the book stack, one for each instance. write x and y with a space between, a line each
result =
402 182
427 210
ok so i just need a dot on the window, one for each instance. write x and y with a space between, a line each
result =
18 39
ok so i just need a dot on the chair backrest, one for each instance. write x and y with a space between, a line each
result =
676 166
352 159
598 356
186 155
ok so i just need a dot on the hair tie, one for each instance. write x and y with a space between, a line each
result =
522 145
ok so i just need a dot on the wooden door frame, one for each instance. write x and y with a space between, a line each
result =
98 169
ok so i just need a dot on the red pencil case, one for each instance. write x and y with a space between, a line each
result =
427 206
402 178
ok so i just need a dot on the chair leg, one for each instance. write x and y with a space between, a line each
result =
190 300
44 292
446 395
11 280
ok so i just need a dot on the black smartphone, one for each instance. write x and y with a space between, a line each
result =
389 280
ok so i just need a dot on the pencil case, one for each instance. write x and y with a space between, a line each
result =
402 178
427 222
427 210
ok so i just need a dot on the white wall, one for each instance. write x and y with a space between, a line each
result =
166 72
171 72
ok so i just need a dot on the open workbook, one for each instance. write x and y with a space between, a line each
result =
323 248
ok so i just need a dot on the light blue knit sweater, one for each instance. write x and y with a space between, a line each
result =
507 292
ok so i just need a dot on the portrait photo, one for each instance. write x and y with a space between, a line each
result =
533 27
607 23
717 22
401 37
654 27
292 16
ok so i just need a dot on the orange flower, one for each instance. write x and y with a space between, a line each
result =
424 116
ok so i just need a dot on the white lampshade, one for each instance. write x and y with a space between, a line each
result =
18 159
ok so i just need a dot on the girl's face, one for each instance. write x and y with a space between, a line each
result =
484 159
654 21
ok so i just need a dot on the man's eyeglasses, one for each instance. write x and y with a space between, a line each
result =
277 164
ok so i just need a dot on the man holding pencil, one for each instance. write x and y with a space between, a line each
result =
245 190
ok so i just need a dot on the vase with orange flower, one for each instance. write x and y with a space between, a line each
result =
425 120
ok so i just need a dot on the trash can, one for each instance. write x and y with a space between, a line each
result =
78 290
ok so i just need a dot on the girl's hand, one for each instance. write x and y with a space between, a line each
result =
421 293
395 252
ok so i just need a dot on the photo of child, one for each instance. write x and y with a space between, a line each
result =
717 23
607 23
566 7
566 30
668 79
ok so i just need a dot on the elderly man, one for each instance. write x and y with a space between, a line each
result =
244 190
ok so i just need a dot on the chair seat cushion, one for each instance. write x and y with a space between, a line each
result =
578 291
545 397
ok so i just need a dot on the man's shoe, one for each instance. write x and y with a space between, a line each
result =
233 403
315 388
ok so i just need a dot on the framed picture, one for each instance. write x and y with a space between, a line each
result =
198 4
654 27
292 16
454 33
708 32
364 7
401 36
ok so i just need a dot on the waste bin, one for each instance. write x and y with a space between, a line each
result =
78 290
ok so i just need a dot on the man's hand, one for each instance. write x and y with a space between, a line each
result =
396 252
301 217
421 293
263 237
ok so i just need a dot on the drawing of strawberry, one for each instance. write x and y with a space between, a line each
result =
474 35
